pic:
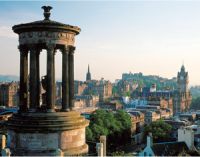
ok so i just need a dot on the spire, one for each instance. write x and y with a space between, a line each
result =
183 68
88 68
88 75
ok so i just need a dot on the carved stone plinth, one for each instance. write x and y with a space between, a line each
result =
45 134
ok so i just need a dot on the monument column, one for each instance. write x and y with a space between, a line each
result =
23 94
54 81
71 76
50 99
33 78
65 79
38 77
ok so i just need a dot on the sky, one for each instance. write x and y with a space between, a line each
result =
152 37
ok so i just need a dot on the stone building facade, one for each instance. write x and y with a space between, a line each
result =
84 101
111 105
104 89
163 103
80 87
9 94
137 121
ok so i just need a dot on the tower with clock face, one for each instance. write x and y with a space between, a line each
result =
182 96
183 80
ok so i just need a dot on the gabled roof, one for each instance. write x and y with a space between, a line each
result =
169 148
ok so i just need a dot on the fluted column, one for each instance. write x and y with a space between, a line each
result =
34 72
54 81
38 77
71 76
65 79
23 93
50 99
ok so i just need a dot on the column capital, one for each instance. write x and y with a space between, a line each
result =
31 46
23 48
34 47
71 49
64 49
50 46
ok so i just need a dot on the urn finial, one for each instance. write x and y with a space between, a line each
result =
47 12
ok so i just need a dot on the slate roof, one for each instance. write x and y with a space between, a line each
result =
169 148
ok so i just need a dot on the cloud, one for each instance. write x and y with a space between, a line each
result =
6 32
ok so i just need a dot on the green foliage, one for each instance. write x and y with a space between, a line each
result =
195 103
160 130
116 126
148 80
124 118
128 94
118 153
89 134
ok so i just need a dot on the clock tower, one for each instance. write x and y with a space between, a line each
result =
182 96
183 80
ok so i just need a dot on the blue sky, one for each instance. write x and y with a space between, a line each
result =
153 37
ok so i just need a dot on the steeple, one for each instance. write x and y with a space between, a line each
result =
88 68
88 75
183 68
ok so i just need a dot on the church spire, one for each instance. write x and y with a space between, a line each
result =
183 68
88 68
88 75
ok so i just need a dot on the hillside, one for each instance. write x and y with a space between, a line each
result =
8 78
148 80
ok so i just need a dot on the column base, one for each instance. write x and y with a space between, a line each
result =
47 134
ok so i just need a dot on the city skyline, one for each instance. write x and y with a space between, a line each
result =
117 37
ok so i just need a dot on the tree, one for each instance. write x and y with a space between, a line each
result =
116 126
124 118
128 94
160 130
89 134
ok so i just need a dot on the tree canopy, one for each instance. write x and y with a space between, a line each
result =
160 130
116 126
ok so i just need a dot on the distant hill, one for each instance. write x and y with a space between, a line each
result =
148 80
8 78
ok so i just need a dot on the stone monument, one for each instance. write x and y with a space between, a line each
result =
35 131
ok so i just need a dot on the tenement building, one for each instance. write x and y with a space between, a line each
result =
104 89
40 129
9 94
182 96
